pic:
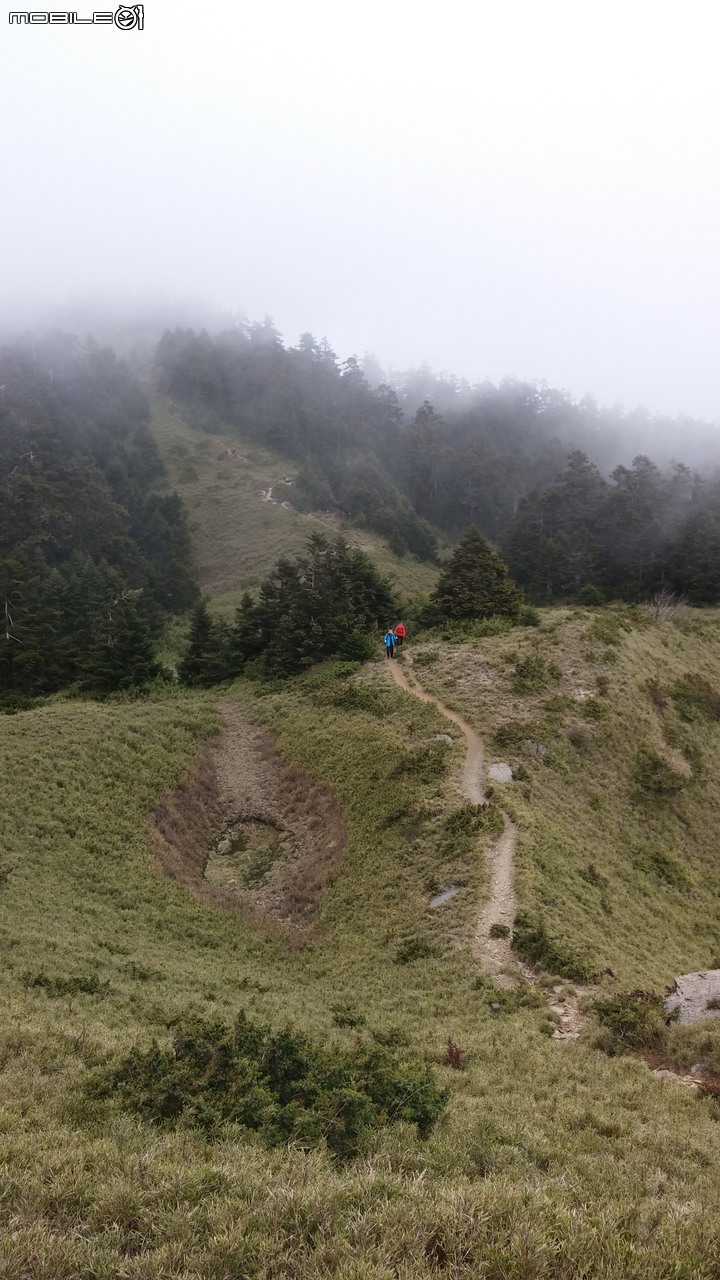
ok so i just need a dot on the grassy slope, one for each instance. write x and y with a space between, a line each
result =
622 878
551 1161
238 535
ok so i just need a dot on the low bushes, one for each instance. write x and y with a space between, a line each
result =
426 762
533 943
695 698
514 733
630 1020
654 777
608 628
282 1085
533 673
75 984
471 819
635 1021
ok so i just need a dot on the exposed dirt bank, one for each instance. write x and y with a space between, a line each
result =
243 787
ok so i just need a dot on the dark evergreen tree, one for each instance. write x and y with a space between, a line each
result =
246 639
80 523
323 603
476 583
208 658
123 657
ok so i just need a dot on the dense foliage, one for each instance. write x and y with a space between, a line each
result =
475 584
323 603
537 473
343 433
282 1085
628 536
92 557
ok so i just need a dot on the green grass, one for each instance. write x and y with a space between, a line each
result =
626 787
238 536
550 1161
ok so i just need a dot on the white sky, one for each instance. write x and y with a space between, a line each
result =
514 187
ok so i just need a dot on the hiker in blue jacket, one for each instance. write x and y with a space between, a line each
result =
389 639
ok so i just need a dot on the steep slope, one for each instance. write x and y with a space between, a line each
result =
240 509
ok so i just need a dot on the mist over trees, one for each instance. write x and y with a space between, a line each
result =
302 402
92 556
95 555
539 475
627 536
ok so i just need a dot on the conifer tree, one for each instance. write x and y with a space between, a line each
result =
124 657
208 657
476 583
246 639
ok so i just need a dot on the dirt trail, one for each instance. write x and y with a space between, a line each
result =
494 954
474 758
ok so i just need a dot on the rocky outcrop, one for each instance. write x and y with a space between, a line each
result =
696 996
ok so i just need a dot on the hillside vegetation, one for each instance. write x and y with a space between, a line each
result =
238 532
610 722
93 557
244 1030
550 1159
545 478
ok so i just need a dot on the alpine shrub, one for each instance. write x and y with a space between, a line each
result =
534 944
89 984
474 818
654 777
695 698
630 1020
282 1085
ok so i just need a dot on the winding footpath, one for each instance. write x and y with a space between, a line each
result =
494 954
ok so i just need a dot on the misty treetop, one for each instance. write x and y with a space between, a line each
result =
625 536
537 473
328 601
91 554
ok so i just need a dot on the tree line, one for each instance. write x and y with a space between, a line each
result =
93 556
534 471
640 530
327 602
333 602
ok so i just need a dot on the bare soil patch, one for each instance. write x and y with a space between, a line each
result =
249 832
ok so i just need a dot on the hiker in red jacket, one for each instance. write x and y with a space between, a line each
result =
400 633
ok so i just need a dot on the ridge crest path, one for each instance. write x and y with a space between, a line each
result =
494 954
